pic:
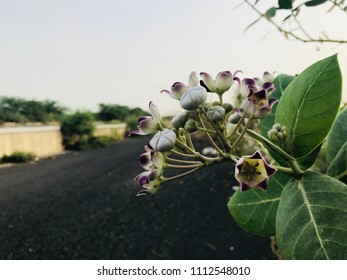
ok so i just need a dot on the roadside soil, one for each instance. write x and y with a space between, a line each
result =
84 206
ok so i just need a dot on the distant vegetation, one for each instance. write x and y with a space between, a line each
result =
18 157
20 110
77 128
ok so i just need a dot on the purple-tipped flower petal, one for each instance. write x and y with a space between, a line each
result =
253 172
224 81
221 84
177 90
163 141
148 124
193 80
208 81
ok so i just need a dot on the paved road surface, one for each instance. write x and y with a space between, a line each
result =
83 206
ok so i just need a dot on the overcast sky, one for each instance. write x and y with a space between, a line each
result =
82 53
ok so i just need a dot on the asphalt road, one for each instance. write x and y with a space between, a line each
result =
84 206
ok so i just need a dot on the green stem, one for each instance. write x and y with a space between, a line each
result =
242 134
168 179
184 166
182 154
206 130
181 160
210 139
190 142
341 175
237 126
220 99
282 169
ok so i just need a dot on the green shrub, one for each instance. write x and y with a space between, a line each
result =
77 129
18 157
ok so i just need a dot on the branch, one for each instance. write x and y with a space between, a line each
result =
290 33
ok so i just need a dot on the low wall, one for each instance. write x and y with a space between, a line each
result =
44 140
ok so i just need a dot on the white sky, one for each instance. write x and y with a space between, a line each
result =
85 52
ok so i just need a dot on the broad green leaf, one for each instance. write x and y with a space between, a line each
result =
311 220
313 3
255 210
285 4
338 167
309 105
271 12
337 135
307 161
281 82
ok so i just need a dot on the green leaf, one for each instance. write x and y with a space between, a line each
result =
311 220
338 167
337 135
285 4
281 82
309 105
313 3
307 161
271 12
255 210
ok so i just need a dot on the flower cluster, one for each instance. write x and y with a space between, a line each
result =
223 123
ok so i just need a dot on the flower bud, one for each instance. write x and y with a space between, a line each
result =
228 107
216 113
223 82
190 126
179 120
193 98
163 141
234 118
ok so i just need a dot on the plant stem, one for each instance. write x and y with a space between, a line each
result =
242 134
184 166
206 130
180 175
181 160
182 154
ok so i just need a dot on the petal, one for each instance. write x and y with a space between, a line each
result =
193 80
178 89
154 111
142 178
267 77
272 101
136 132
223 82
263 185
208 81
158 159
145 161
262 112
148 126
248 106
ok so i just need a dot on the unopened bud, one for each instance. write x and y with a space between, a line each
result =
234 118
179 120
216 113
228 107
190 126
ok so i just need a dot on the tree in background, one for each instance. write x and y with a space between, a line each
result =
291 25
111 112
20 110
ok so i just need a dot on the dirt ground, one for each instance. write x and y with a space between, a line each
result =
84 206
